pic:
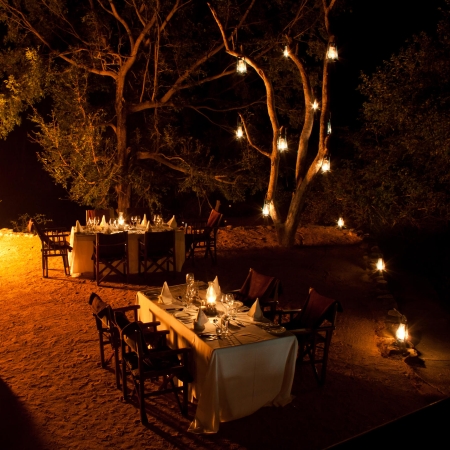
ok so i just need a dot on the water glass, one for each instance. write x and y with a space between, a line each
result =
224 325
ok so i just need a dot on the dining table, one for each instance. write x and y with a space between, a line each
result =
82 243
235 375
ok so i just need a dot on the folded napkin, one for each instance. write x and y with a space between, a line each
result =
255 311
148 226
199 323
217 288
166 296
78 227
103 223
172 223
144 221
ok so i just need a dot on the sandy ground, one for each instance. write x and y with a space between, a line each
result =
55 395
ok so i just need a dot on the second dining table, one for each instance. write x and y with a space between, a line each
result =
233 376
80 259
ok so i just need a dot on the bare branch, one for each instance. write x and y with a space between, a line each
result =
249 140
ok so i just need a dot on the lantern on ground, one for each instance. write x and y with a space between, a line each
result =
326 164
239 130
315 105
380 265
241 66
332 53
286 51
266 209
340 223
282 142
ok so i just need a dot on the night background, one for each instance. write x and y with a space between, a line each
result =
367 36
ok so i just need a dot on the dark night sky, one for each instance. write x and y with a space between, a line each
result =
367 36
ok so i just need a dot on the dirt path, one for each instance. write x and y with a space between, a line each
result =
54 395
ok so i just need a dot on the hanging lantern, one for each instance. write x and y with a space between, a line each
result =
402 332
241 66
315 105
380 265
326 164
329 127
266 209
239 130
286 51
282 142
340 223
332 53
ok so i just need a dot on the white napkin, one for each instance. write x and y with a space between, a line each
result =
255 311
217 288
78 227
166 296
201 319
147 227
172 223
103 224
144 221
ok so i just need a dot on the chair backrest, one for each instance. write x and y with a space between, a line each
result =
111 245
40 232
316 310
260 286
92 213
159 243
101 310
214 219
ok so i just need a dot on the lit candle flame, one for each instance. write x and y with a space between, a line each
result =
332 52
340 222
241 66
286 51
326 165
211 295
266 210
315 105
239 132
380 265
282 144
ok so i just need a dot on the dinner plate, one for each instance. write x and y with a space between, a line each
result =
276 331
183 315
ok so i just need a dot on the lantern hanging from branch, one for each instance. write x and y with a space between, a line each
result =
282 141
241 66
326 164
315 105
266 209
332 53
329 127
239 130
286 51
340 223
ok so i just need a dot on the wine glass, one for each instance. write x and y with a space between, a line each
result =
138 220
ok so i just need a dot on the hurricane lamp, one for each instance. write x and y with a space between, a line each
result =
332 53
241 66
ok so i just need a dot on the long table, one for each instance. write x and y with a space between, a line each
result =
234 376
80 258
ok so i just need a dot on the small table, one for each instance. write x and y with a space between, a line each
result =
80 258
234 376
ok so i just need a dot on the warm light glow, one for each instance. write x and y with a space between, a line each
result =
340 222
286 51
121 220
402 332
241 66
239 132
315 105
266 209
326 165
329 127
332 53
211 295
282 143
380 265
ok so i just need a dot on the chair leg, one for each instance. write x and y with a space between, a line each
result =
102 349
44 266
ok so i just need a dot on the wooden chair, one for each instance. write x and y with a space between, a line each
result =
99 213
157 252
147 365
264 287
111 251
202 235
109 322
54 243
313 325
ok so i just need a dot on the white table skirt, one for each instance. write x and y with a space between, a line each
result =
80 258
233 377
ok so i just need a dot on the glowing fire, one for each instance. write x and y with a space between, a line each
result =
211 295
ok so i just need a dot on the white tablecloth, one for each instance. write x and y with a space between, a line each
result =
233 377
80 258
